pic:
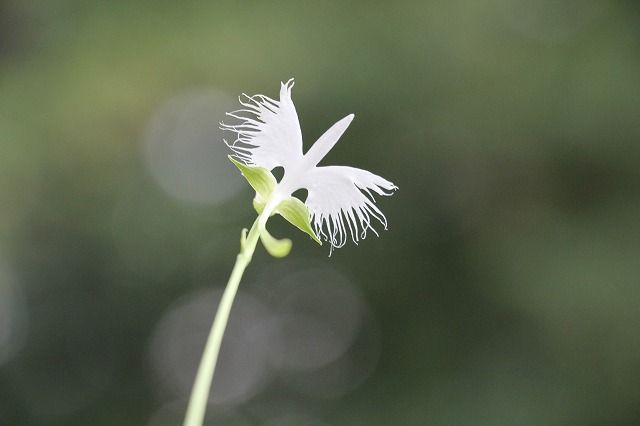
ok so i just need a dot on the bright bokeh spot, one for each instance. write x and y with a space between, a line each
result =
184 152
179 338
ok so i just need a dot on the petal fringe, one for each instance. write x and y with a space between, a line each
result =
341 202
268 131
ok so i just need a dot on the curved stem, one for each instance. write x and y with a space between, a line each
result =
204 377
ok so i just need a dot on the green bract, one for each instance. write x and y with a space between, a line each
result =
297 214
260 179
292 209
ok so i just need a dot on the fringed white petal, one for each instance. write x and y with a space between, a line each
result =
268 132
341 202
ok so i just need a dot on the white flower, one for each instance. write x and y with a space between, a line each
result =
340 199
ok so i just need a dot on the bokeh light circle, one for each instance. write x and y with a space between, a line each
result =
184 149
179 338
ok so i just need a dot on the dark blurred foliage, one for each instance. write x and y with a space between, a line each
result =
506 290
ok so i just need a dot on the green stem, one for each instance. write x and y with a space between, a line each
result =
204 377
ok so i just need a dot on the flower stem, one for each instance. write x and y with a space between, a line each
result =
204 377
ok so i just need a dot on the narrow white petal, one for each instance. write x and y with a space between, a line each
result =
328 139
341 203
268 131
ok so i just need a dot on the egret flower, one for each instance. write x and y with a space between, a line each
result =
340 199
340 203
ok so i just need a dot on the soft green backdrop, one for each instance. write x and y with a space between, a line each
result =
506 291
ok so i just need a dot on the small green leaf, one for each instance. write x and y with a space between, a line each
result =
298 215
275 247
260 179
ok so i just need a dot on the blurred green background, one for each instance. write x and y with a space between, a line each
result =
506 290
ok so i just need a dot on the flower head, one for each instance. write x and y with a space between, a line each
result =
340 199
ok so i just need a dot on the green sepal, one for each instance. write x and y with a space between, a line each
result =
260 179
296 213
275 247
259 203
